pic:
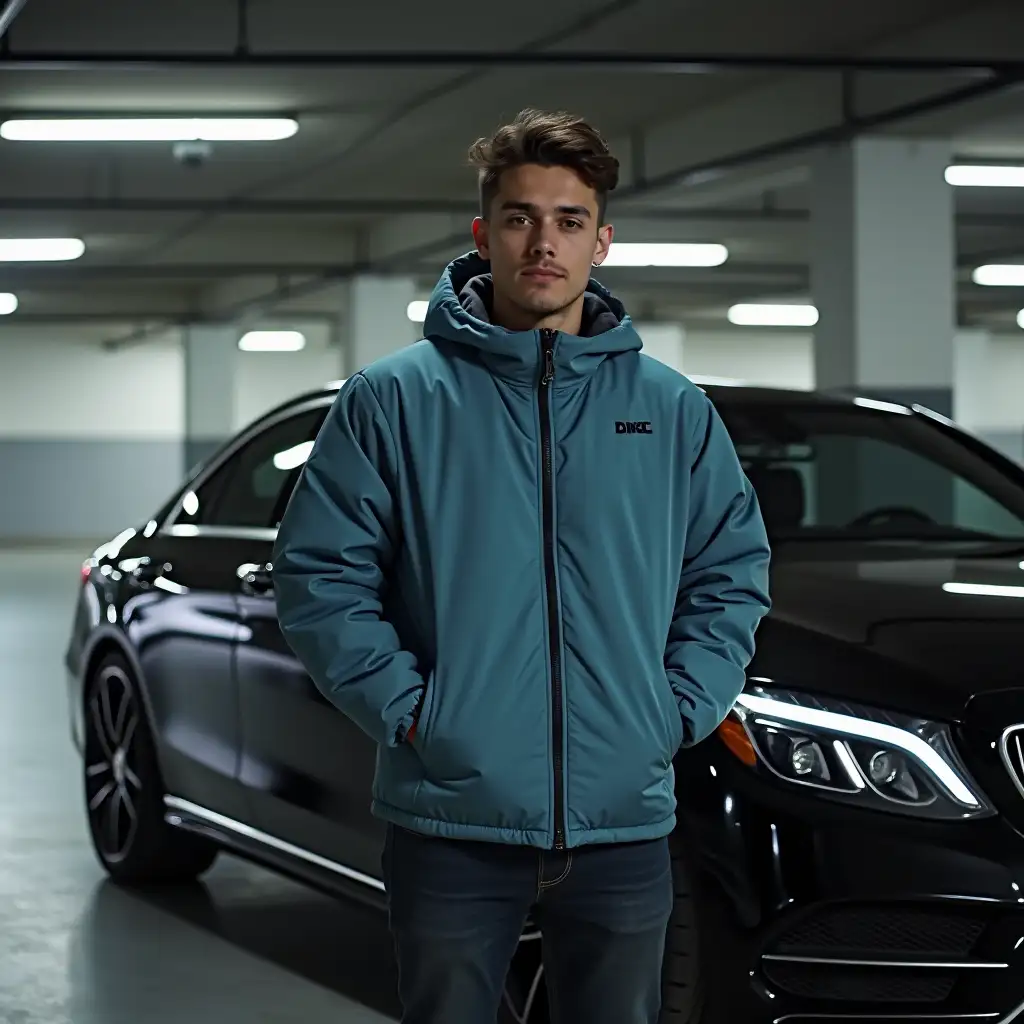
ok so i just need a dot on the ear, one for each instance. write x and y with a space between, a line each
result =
480 236
604 241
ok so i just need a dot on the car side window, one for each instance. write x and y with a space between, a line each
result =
251 489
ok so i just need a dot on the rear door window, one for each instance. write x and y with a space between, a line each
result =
251 489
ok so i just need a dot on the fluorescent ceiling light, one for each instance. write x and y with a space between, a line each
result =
666 254
272 341
150 129
1005 275
40 250
985 175
8 303
416 311
983 589
772 314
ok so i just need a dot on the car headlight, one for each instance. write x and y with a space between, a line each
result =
854 753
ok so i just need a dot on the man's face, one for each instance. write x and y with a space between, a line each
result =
542 238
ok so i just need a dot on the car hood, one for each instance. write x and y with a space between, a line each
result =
903 627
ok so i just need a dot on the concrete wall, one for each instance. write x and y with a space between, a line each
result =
770 358
92 441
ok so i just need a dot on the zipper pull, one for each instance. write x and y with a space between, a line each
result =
549 367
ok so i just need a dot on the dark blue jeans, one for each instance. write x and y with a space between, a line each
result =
457 909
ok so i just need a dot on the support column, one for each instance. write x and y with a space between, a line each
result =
882 277
972 379
883 265
664 342
211 353
377 321
974 406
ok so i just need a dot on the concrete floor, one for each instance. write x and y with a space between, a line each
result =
244 947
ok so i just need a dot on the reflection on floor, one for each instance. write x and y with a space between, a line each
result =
244 947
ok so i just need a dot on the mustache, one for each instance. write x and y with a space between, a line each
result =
547 268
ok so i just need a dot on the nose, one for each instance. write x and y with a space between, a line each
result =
542 243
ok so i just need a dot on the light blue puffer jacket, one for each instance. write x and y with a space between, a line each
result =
542 546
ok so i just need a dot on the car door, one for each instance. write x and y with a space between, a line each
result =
221 523
307 769
182 620
182 615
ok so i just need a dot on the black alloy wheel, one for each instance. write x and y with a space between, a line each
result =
123 789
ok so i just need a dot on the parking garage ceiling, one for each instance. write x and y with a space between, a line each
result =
715 109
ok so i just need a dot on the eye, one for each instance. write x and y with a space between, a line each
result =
572 224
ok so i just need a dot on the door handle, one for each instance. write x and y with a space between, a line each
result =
147 570
256 579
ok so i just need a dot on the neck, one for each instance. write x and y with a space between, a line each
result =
513 318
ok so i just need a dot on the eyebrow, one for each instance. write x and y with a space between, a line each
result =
573 211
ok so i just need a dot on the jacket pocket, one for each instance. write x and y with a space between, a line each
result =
423 721
673 719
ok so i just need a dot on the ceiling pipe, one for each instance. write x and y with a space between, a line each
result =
290 290
794 145
165 317
401 207
356 207
60 274
655 63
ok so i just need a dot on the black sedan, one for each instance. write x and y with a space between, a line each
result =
850 842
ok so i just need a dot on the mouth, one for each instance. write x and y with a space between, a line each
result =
541 274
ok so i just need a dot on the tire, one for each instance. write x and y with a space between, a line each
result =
524 1000
683 991
124 791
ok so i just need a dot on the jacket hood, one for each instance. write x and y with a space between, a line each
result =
460 312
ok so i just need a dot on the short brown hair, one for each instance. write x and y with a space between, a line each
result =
551 140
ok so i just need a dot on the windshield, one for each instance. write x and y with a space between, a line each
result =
858 472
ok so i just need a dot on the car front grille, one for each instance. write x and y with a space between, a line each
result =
881 955
861 931
859 984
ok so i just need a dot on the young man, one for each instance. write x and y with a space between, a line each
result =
523 557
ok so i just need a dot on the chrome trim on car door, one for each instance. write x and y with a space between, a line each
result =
186 807
231 532
833 962
866 1018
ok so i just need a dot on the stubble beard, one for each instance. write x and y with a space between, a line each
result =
544 309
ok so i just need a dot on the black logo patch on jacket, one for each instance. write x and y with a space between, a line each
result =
633 427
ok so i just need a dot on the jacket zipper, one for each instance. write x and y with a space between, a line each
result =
554 626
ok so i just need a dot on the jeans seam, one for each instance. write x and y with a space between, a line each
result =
561 878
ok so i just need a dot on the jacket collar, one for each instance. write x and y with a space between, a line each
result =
460 312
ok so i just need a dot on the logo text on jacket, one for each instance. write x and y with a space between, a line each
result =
633 427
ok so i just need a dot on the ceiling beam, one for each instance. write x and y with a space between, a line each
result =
57 273
381 207
806 142
402 206
666 63
396 262
289 290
